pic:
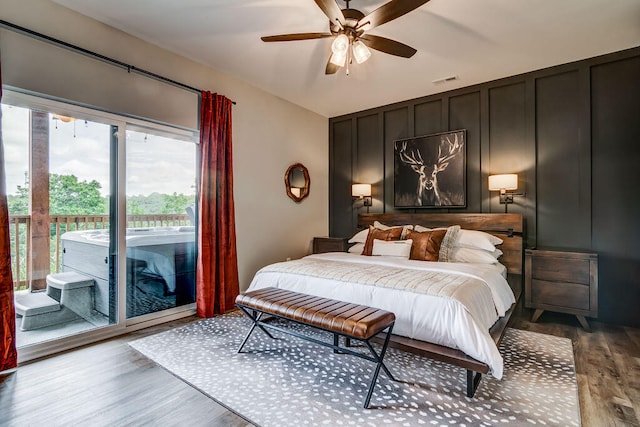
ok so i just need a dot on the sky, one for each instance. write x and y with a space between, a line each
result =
81 148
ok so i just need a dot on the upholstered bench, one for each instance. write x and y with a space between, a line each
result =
352 321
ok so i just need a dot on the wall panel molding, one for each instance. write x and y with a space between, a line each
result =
539 125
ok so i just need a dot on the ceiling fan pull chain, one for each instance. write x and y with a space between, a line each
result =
348 57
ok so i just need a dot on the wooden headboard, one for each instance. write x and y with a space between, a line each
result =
508 227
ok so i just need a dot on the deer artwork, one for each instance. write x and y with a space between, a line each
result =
428 193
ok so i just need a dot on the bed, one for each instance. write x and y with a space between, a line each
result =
448 311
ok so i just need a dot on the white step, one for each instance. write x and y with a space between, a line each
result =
69 280
33 303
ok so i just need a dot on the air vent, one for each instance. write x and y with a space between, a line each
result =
444 80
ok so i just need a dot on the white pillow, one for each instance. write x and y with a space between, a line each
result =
471 239
477 240
356 249
394 248
479 256
361 236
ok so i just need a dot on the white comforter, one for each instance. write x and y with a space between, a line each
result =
440 320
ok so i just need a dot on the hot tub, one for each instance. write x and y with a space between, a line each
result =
150 236
167 253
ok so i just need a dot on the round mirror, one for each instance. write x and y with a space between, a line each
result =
297 182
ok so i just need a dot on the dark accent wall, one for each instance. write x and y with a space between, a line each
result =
571 133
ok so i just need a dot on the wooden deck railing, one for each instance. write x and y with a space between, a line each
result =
20 230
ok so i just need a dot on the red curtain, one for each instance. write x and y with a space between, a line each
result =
217 268
8 351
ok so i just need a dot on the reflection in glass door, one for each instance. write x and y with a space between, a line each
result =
160 235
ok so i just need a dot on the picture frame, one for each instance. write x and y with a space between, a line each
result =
431 171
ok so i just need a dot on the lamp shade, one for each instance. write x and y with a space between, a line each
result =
503 182
340 44
338 58
361 190
361 52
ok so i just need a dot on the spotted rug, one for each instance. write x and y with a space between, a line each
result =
291 382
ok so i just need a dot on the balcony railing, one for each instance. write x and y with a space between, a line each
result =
20 230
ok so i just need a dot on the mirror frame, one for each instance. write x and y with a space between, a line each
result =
304 192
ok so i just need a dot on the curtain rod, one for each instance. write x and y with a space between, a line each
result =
130 68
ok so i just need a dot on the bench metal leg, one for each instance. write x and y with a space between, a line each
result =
380 364
378 359
473 380
255 317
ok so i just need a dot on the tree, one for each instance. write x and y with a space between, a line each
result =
19 203
177 203
68 196
159 204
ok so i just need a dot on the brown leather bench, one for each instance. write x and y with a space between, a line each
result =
352 321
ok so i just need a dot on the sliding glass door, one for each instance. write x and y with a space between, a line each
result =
160 235
59 187
102 219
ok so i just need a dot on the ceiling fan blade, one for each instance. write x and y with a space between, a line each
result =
331 67
293 37
389 46
388 12
332 10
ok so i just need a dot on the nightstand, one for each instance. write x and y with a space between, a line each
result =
562 281
330 244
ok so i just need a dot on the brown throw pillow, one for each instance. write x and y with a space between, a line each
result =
376 233
426 244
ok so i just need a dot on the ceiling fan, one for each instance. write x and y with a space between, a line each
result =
348 27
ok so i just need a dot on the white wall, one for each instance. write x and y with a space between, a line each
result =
269 134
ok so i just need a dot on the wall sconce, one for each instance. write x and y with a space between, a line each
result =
504 183
362 191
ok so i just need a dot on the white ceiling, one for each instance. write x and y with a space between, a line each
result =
476 40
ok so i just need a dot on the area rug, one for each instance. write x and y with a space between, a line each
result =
291 382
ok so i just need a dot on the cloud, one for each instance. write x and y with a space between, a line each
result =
153 163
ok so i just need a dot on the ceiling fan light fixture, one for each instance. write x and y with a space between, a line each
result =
340 45
360 52
348 26
338 58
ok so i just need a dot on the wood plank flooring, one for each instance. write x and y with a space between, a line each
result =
607 366
106 384
110 384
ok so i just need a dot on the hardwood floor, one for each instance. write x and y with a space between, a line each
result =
106 384
110 384
607 366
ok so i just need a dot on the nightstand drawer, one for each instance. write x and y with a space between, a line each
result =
560 269
560 294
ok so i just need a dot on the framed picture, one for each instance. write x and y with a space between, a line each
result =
430 171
